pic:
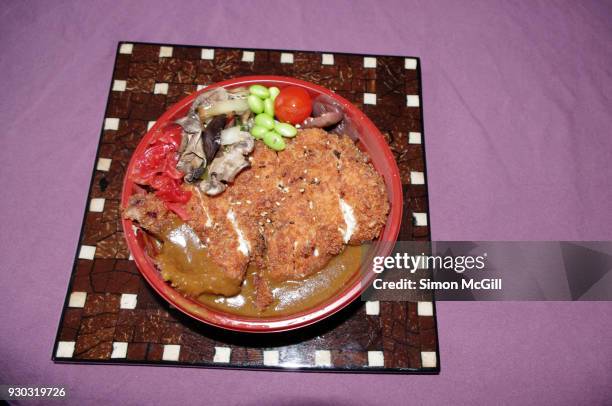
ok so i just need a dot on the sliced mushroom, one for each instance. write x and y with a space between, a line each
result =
191 123
246 145
199 147
192 158
226 166
213 186
212 136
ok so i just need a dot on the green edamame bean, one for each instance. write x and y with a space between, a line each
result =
269 106
274 91
258 132
284 129
255 104
259 91
264 120
274 141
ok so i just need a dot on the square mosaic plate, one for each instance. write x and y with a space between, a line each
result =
111 315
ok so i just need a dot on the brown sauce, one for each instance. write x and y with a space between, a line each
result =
183 260
293 296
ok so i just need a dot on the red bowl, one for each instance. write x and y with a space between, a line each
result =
370 141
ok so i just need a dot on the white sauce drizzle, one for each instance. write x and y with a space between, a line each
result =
209 222
243 244
349 219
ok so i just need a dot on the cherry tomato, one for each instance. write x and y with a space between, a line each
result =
292 105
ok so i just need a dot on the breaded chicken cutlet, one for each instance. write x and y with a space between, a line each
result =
289 214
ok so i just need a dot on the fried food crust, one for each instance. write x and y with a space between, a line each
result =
287 208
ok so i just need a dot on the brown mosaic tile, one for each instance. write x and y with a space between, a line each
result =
120 306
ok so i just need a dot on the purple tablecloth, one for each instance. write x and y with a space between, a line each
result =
518 121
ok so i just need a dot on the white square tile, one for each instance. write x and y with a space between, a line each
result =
410 63
96 205
65 349
111 123
126 48
87 252
425 308
327 59
417 178
420 219
128 301
150 125
372 308
119 85
429 359
77 299
412 100
248 56
270 357
165 52
414 138
171 352
200 87
160 88
119 350
208 53
222 354
369 98
369 62
376 359
323 358
286 57
103 164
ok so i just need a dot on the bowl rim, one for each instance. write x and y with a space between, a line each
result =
332 305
